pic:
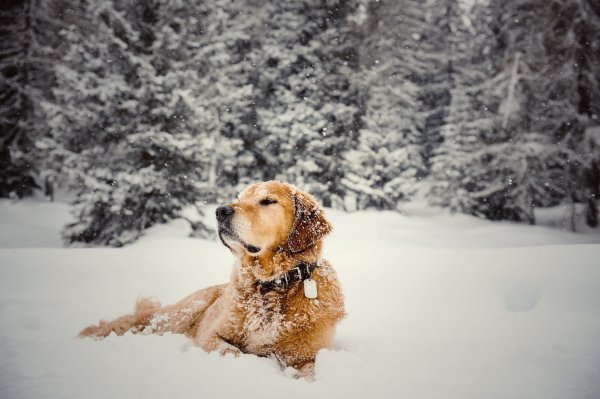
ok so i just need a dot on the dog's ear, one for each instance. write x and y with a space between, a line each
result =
310 224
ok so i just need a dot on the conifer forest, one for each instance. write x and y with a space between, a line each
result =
139 109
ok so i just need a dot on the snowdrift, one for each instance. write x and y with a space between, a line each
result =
438 307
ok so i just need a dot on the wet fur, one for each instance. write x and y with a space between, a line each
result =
236 317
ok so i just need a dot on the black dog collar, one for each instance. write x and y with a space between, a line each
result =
302 271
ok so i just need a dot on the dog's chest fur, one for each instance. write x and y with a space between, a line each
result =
263 321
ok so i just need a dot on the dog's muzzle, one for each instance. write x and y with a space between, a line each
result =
224 215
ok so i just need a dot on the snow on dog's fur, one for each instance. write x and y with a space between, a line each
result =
270 229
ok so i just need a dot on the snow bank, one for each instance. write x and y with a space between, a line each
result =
31 223
452 319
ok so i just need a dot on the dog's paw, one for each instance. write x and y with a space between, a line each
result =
227 349
306 372
93 331
104 329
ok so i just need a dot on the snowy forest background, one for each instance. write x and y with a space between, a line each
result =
142 108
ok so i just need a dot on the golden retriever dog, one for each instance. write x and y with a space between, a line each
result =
283 299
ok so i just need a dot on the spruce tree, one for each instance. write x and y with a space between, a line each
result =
306 108
387 158
27 49
533 149
120 120
585 27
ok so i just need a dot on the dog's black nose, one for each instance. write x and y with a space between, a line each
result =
223 212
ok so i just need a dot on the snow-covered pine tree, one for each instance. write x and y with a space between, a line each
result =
219 95
435 77
457 162
531 158
585 26
342 99
27 35
584 23
591 174
387 161
118 124
306 107
17 175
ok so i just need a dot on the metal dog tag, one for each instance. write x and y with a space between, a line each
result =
310 288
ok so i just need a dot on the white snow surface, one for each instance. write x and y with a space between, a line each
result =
439 306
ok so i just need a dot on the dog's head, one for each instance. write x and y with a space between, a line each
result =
271 217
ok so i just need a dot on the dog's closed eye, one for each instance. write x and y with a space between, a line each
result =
267 201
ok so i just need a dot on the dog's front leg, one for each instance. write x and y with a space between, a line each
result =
214 331
299 348
213 342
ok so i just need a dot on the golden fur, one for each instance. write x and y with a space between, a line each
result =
236 317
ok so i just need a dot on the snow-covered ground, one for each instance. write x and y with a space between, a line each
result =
439 306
